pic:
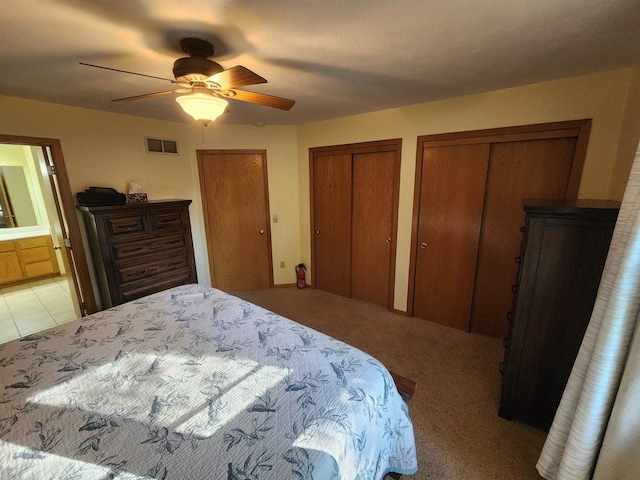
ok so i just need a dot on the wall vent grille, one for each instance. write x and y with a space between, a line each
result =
161 145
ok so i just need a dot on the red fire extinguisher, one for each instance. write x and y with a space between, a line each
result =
300 273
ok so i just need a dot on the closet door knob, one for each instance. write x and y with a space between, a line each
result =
388 240
261 232
317 231
423 245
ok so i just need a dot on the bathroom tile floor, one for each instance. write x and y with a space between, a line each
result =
35 306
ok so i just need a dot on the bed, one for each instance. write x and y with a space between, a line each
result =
193 383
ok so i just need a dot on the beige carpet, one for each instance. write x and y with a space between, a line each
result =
454 410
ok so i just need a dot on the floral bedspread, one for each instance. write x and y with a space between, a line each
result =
193 383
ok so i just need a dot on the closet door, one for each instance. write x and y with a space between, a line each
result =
372 244
354 201
539 161
332 223
537 169
235 200
450 214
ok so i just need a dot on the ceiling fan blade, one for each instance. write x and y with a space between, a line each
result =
237 76
262 99
146 95
130 73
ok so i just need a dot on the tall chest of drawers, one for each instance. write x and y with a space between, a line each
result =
564 249
140 249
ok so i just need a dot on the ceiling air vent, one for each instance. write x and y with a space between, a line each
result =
161 145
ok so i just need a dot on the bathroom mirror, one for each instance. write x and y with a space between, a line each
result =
17 207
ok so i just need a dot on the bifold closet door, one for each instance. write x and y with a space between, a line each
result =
450 214
372 228
517 170
332 223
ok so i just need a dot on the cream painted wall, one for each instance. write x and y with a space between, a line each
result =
629 137
106 149
601 97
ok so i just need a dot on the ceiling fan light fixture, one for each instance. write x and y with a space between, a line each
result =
202 107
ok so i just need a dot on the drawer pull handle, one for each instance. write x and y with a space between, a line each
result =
523 229
501 367
514 288
166 244
509 316
168 220
174 264
518 259
129 250
140 273
505 342
129 225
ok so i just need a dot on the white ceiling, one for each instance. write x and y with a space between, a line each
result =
334 57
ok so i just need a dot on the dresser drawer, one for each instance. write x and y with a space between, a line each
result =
166 220
139 291
126 225
155 268
131 249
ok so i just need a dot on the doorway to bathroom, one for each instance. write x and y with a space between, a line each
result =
44 276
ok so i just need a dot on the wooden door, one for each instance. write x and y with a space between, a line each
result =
373 243
332 223
517 170
235 201
450 214
61 231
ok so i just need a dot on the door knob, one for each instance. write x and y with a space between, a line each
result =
317 231
261 232
423 245
388 240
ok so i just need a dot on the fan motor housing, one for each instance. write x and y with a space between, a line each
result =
195 68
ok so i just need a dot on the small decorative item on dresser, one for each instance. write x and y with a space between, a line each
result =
134 195
136 198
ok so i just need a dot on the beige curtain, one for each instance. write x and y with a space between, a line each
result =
597 425
620 455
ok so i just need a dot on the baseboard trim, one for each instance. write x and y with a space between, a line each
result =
287 285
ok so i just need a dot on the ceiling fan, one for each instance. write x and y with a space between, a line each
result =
206 84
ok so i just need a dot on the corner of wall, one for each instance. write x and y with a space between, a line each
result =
629 138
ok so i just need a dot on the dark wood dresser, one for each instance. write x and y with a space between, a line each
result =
140 249
564 249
